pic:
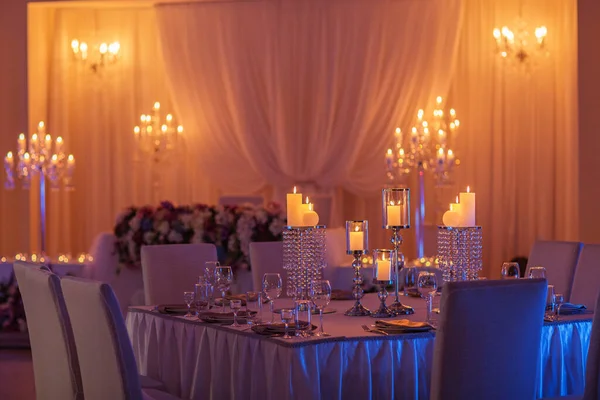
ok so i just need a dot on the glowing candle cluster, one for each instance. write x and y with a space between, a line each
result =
461 213
299 213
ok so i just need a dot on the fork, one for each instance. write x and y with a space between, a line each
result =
367 329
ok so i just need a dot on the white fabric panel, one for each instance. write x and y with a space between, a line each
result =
266 257
169 270
55 364
480 337
204 361
559 259
239 200
586 282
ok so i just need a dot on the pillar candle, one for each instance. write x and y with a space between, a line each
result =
467 201
451 218
310 218
456 207
21 143
384 270
357 239
394 215
294 203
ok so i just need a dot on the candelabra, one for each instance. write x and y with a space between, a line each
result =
37 158
427 149
157 139
516 45
357 243
103 54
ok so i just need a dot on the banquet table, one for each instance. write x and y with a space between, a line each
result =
197 360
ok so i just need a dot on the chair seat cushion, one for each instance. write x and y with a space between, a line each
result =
148 383
153 394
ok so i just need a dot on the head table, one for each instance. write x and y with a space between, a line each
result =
198 360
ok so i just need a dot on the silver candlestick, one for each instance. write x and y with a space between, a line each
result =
357 310
383 311
357 243
397 305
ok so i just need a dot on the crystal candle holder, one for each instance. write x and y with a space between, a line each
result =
357 243
396 208
383 276
460 252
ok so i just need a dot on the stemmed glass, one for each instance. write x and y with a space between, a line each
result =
320 294
287 316
235 307
223 278
559 299
537 273
272 287
188 297
510 270
209 274
427 285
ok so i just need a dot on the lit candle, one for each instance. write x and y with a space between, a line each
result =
467 201
26 159
156 106
383 268
294 203
54 160
34 143
21 143
9 159
389 157
70 163
310 218
59 144
394 215
441 158
450 157
414 135
41 130
48 142
451 218
420 115
456 207
357 238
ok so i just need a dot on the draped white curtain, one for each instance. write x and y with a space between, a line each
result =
304 92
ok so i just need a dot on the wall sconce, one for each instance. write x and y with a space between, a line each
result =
105 53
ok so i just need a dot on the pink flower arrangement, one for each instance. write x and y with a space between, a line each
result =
230 228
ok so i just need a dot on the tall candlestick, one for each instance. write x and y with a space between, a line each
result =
467 201
294 203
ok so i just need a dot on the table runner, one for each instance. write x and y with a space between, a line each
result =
203 361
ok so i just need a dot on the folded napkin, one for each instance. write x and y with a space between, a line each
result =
221 318
229 297
173 309
279 328
570 309
402 325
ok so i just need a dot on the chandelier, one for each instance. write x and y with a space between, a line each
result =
97 56
156 137
427 148
518 45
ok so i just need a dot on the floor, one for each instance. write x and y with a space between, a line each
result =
16 375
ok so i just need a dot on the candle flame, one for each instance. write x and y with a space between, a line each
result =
391 203
41 124
59 140
398 131
34 137
307 202
456 199
468 189
382 256
389 152
48 138
22 136
294 189
356 229
9 154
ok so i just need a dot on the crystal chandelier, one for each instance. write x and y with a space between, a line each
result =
518 45
155 137
43 158
99 56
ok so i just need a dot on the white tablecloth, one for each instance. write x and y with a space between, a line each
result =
202 361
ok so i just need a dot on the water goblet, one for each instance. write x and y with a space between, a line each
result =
320 294
210 268
253 308
550 298
537 273
272 287
287 316
188 297
426 283
410 275
510 270
223 279
235 306
559 299
201 297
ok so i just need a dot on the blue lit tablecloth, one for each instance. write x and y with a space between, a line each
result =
202 361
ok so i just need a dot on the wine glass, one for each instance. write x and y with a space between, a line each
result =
510 270
210 268
272 287
235 307
537 273
188 297
559 299
320 294
426 283
287 316
201 297
223 278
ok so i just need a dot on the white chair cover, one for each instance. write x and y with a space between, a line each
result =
559 259
266 257
171 269
239 200
127 284
55 363
488 342
108 366
586 283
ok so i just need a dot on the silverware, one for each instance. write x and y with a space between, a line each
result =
367 329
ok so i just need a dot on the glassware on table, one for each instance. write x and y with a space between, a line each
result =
320 294
253 308
272 287
511 270
188 297
235 306
426 283
223 279
550 298
287 316
209 274
303 314
201 297
559 299
537 273
410 280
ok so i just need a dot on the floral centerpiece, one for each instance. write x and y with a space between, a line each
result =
12 312
230 228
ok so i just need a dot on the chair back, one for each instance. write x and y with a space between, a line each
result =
592 368
488 342
55 363
559 259
586 282
239 200
108 366
171 269
266 257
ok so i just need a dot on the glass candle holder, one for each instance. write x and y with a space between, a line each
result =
383 275
396 208
357 236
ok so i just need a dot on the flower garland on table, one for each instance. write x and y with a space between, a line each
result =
230 228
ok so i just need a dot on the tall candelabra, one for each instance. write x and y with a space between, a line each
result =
428 148
40 156
157 139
